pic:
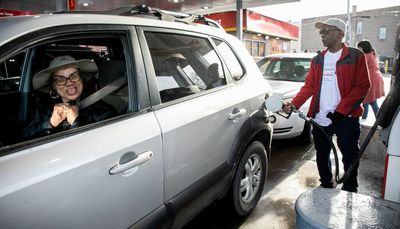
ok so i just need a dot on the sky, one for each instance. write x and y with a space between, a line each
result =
296 11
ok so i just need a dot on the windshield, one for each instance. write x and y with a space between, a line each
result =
283 68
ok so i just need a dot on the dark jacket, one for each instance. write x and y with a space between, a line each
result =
40 124
353 81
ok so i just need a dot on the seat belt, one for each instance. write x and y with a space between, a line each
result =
108 89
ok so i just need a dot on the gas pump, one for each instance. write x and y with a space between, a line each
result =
391 132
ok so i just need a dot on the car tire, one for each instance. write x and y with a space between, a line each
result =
252 167
306 135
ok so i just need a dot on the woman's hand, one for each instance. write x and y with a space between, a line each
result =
71 112
62 111
57 116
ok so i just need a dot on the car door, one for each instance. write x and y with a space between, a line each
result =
104 175
198 128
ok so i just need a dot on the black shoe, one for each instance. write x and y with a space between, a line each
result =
326 185
349 189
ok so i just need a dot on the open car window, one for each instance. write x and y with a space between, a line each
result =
30 108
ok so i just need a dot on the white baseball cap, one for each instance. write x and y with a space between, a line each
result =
338 23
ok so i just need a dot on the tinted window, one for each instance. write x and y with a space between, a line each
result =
184 65
230 59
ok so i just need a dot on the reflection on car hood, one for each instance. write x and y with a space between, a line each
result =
286 89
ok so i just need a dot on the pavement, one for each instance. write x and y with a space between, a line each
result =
292 171
276 207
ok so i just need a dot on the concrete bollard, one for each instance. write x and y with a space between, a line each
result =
331 208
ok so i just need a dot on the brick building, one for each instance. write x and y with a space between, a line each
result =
378 26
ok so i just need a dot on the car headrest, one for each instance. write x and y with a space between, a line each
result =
299 70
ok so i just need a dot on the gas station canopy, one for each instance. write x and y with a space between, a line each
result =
186 6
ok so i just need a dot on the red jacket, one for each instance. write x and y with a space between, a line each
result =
377 89
353 81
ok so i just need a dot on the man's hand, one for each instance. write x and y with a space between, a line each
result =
288 107
336 117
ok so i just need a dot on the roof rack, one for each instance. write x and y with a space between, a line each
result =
164 15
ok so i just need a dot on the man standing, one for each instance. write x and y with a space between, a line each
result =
338 81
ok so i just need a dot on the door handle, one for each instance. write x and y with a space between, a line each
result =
236 114
130 160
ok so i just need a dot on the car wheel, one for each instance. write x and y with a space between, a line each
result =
249 179
306 135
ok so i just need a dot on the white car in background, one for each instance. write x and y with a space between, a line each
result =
286 73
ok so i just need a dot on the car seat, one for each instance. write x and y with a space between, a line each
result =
109 71
299 70
172 67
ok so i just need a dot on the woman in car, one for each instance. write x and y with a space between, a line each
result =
64 82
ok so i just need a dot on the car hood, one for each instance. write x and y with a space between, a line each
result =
285 89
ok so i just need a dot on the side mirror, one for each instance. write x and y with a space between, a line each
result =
274 103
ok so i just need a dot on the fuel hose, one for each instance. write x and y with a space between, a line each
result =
387 103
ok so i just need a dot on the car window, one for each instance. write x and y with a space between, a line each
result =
184 65
104 94
230 59
287 69
10 72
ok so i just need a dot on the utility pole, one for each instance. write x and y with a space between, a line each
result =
348 24
239 19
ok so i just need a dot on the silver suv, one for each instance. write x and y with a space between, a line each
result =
188 125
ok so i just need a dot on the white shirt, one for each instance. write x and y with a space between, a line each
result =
330 94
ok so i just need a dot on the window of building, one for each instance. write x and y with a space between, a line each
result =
382 33
285 46
255 48
261 49
359 27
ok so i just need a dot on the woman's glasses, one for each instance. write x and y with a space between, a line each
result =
326 31
61 81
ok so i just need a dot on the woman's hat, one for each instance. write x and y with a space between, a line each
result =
42 79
